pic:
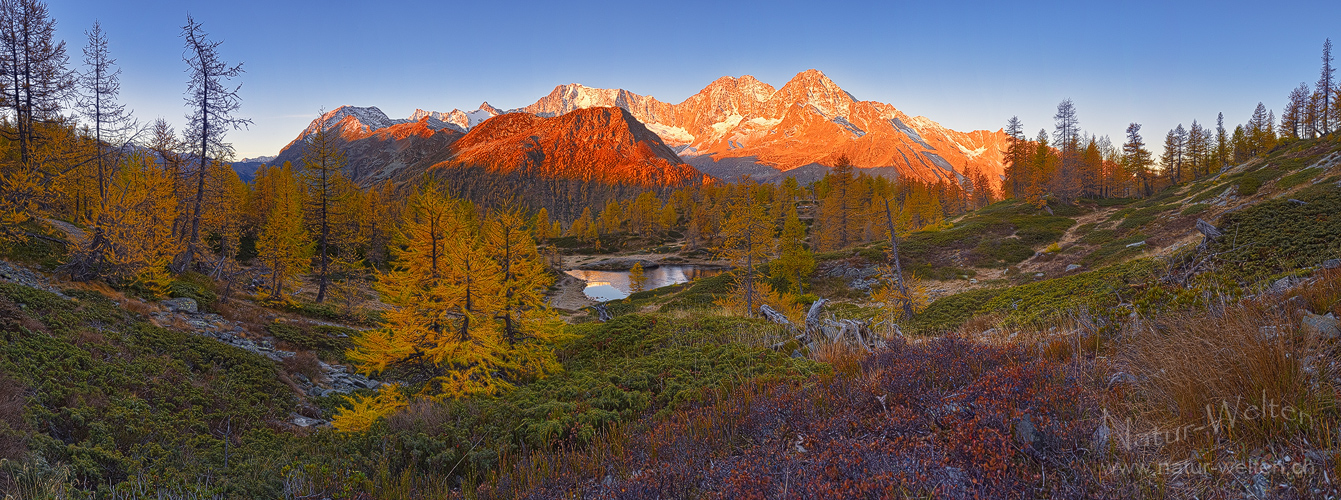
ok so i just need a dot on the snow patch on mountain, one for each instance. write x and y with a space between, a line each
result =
971 153
671 135
765 122
720 128
851 128
370 117
910 132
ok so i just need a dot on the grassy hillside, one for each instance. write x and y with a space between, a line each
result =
1071 351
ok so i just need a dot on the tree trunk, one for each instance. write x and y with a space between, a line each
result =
898 268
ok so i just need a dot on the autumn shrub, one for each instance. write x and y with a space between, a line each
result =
930 420
1323 294
13 428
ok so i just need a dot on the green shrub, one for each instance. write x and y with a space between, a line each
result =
194 286
1249 185
115 397
1114 202
1214 191
329 342
947 313
1194 209
1297 178
1002 253
1279 235
1098 237
1097 291
1114 251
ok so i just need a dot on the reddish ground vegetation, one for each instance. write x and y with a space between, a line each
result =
946 418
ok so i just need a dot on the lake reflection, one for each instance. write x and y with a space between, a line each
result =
614 285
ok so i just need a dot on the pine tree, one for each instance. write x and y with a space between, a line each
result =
795 262
1043 167
131 241
668 218
212 105
284 244
1066 180
1292 120
99 86
224 219
468 318
541 225
1137 159
837 208
748 242
1325 87
1016 158
637 278
582 228
364 411
1172 159
611 219
323 169
34 68
1239 144
1222 145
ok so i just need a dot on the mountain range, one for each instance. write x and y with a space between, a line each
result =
733 127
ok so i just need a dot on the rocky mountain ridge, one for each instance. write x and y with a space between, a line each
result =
735 126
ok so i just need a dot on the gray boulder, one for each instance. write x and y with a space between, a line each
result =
182 304
1025 432
1327 327
1072 267
1331 263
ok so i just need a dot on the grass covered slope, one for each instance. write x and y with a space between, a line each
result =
110 397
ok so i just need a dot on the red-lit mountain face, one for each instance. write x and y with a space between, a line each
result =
602 145
741 125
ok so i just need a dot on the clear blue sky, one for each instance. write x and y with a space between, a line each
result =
966 65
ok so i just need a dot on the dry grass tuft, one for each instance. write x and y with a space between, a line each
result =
305 363
13 442
1324 294
138 306
845 358
253 317
1195 368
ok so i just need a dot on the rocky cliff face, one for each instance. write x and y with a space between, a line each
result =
809 122
601 144
376 146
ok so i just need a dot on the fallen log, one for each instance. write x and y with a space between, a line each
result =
1208 229
775 316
